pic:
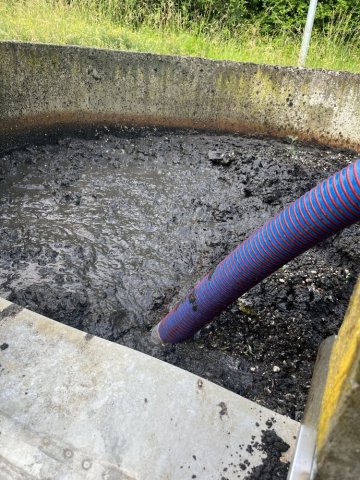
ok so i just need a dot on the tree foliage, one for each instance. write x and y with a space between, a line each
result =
291 15
271 16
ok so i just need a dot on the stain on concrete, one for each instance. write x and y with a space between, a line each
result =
47 89
10 312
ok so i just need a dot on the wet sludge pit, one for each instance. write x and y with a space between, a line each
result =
106 234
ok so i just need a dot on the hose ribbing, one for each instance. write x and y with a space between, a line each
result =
326 209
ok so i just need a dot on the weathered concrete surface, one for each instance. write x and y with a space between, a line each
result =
339 427
74 406
46 87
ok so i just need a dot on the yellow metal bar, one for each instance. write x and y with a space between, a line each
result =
339 426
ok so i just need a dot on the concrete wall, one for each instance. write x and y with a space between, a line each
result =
47 88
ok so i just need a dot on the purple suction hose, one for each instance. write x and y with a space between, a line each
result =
326 209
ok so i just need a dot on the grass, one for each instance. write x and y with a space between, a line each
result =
74 23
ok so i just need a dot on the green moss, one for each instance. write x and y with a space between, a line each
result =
246 310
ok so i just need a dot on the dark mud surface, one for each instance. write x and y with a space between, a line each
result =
272 467
106 234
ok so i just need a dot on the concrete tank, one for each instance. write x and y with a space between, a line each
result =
48 88
76 406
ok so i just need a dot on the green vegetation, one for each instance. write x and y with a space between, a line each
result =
262 31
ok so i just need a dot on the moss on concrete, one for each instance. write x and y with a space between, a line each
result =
46 86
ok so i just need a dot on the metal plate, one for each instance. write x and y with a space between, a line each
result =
74 406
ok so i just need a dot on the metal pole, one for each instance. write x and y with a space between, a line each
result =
307 33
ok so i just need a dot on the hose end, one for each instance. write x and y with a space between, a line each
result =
155 337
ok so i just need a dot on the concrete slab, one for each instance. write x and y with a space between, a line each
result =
74 406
